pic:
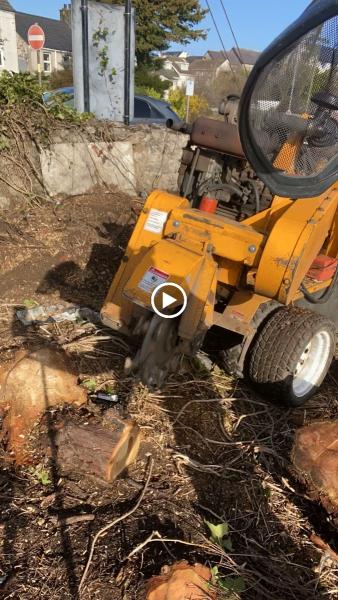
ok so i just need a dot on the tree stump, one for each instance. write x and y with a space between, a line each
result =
93 449
181 581
30 384
315 457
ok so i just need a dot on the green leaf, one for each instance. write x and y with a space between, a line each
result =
232 584
30 303
214 571
109 389
42 475
89 384
218 532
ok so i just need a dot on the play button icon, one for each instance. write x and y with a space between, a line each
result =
165 296
167 300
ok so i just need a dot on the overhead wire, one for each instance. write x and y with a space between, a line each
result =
222 44
240 58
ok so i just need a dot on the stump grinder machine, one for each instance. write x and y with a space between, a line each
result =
248 252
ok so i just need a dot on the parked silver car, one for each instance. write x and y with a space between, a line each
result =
151 110
146 109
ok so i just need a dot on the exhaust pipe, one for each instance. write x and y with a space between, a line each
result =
127 48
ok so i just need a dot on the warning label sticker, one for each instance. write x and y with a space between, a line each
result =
155 221
152 278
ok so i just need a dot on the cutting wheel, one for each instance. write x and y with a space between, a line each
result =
159 354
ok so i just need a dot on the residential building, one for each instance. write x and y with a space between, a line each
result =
175 68
239 58
179 66
205 70
15 52
8 45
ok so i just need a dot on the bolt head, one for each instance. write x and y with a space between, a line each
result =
252 249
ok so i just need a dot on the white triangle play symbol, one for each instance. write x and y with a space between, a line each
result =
167 300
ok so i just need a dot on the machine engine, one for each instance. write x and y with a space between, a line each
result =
214 166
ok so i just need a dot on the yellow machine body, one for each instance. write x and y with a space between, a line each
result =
268 280
249 263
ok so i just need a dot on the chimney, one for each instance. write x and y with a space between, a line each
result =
66 14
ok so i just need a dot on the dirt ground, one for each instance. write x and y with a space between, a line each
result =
220 452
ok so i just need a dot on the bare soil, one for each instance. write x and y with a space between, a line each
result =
221 453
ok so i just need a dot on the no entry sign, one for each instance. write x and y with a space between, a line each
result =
36 37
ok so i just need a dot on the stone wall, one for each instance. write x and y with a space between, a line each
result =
132 159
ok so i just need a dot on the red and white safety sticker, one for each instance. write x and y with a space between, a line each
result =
152 278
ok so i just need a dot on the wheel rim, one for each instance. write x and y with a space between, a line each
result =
312 364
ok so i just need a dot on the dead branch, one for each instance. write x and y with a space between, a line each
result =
155 536
113 523
73 520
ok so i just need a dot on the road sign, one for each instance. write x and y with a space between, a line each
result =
189 91
36 37
190 85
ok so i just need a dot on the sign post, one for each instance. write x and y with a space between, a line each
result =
189 91
36 40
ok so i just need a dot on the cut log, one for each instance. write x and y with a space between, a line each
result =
315 456
29 385
181 581
95 450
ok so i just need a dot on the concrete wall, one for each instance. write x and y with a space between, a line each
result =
8 46
98 156
106 85
132 160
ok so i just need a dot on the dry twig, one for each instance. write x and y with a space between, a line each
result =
113 523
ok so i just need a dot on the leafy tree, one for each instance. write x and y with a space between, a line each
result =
162 22
147 91
145 78
198 105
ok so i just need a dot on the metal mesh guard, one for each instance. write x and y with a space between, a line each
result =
293 112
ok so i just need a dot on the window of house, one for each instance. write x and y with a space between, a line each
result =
47 62
67 61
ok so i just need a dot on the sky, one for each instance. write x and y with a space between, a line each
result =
255 22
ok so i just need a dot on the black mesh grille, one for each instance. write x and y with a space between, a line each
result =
294 107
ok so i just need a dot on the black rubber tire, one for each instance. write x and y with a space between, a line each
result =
277 348
233 343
